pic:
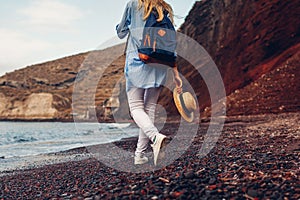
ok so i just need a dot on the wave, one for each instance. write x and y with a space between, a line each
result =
22 139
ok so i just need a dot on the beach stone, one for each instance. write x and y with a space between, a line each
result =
64 195
189 174
252 193
97 197
87 194
212 180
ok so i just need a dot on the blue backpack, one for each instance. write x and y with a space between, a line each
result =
159 41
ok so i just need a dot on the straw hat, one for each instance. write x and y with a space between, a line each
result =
185 104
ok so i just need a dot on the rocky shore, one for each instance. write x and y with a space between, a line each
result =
256 157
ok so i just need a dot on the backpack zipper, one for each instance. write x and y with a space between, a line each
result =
154 45
147 39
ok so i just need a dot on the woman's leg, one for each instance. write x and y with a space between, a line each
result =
151 97
150 101
139 109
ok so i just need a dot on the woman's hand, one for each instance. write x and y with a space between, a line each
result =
179 90
177 80
178 84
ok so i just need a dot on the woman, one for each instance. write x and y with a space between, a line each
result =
143 82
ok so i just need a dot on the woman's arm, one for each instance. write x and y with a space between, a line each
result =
123 27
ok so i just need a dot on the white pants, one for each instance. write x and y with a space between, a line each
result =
142 104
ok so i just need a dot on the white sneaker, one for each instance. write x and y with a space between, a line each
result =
140 159
159 138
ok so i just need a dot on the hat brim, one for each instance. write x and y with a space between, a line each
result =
187 116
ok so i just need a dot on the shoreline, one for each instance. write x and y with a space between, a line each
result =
40 160
253 158
171 119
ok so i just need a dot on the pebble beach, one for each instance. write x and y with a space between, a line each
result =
256 157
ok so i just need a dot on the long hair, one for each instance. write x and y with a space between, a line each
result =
159 5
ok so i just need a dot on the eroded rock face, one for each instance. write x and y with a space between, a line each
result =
36 106
40 106
3 103
241 35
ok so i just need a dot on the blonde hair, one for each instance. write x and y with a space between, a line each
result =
159 5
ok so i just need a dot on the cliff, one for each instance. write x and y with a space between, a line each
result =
248 41
44 91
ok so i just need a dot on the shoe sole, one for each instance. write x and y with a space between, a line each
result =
159 143
140 163
162 152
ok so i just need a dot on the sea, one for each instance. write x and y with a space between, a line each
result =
23 139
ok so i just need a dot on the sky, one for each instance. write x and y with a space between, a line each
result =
36 31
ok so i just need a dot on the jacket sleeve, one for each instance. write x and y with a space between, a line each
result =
123 27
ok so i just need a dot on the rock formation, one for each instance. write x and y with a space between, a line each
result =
44 91
248 40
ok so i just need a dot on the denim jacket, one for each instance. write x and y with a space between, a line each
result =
137 73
